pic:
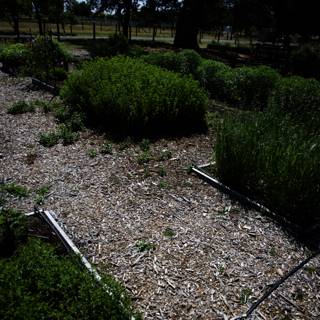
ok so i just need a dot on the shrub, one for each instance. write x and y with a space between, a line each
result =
299 98
15 190
21 107
252 86
47 58
216 77
115 45
274 161
190 60
305 61
67 135
38 282
167 60
49 139
185 62
13 231
14 56
129 97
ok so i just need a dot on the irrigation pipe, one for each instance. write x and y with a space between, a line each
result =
276 285
216 183
52 89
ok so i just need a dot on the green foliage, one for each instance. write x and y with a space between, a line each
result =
169 233
144 157
14 56
252 86
164 155
185 61
216 77
299 98
47 59
145 145
305 61
14 190
21 107
67 135
12 231
161 171
106 148
142 246
273 161
49 139
190 60
92 153
37 282
129 97
245 295
117 44
41 193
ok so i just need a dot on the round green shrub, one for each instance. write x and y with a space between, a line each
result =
215 77
252 86
167 60
185 61
190 60
36 283
14 56
130 97
299 98
47 57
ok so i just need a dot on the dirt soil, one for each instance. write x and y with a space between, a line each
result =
182 249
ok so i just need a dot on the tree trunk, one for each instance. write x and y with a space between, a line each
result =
39 20
188 24
16 26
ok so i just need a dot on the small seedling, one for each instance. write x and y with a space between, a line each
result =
142 246
67 135
41 194
106 148
15 190
49 139
144 157
92 153
245 295
164 155
21 107
189 169
163 185
145 145
273 252
169 233
146 173
310 270
162 172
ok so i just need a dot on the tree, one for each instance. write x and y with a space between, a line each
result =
123 10
12 11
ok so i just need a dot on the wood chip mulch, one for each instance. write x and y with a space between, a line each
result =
181 248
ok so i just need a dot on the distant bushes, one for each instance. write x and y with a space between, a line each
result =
44 58
129 97
273 160
14 57
115 45
300 99
185 61
305 61
252 86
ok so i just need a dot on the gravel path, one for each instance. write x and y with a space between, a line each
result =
205 257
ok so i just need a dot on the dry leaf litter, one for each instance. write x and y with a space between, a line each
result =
182 249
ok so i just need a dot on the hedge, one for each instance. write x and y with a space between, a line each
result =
129 97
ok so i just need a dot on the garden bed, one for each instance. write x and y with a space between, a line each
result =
183 250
